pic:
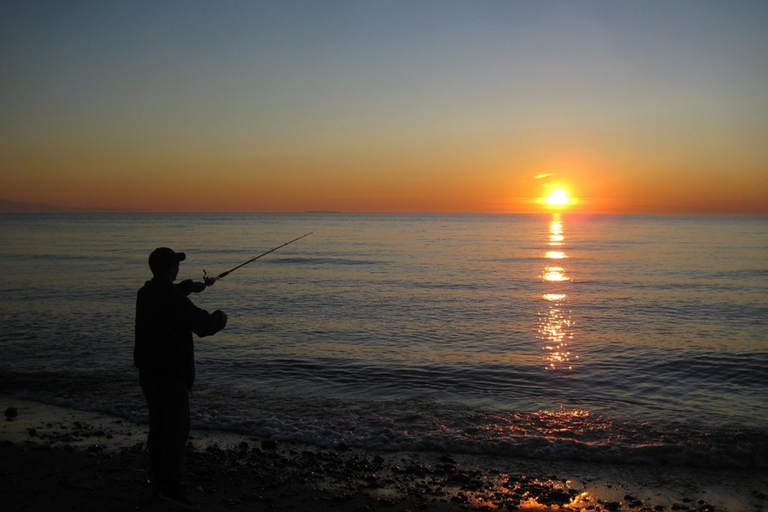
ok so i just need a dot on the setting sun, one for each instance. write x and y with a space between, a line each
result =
558 197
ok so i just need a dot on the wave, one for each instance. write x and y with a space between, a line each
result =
563 435
424 423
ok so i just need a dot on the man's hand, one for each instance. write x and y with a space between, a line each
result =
197 287
222 316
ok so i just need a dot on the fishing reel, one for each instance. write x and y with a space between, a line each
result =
208 280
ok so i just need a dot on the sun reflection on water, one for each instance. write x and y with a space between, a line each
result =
556 236
556 330
554 274
555 325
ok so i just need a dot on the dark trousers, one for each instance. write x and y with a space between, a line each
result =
168 402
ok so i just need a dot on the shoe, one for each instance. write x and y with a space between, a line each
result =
179 498
155 486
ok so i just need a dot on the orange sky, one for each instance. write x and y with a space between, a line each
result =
419 107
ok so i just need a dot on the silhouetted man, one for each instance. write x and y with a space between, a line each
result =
164 354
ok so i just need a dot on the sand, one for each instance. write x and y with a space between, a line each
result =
54 458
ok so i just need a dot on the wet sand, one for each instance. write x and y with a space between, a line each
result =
54 458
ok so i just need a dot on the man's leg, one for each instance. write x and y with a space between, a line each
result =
175 432
152 390
168 401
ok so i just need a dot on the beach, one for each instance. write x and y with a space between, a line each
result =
55 458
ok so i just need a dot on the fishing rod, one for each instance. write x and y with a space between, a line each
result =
210 280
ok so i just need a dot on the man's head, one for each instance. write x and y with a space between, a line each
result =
165 263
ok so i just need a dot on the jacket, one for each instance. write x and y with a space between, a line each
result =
165 321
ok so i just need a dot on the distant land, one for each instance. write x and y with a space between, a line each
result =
7 206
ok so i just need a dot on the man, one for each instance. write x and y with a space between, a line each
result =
164 354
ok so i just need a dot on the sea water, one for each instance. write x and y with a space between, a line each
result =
632 339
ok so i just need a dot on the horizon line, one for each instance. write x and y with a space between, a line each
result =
8 206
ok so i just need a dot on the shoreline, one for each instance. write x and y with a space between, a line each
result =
65 459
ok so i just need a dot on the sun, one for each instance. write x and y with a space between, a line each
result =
558 197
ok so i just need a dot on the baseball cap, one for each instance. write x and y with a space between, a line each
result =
163 257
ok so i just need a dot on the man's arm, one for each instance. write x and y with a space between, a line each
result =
188 286
206 324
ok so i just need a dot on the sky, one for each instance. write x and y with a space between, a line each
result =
386 106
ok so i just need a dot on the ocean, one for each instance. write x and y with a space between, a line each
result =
623 339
